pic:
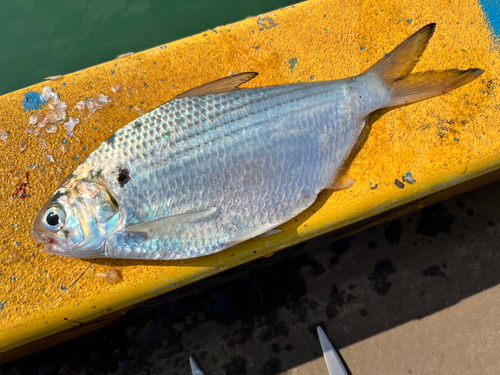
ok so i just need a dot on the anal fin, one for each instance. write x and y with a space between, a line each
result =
341 183
270 233
251 233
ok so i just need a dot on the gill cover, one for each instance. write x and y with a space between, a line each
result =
78 218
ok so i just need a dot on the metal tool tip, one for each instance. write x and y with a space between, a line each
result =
195 369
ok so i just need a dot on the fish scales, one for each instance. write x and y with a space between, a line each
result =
243 152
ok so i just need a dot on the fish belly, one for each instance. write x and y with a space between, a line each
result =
258 156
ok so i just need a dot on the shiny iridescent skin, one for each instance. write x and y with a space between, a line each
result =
215 167
253 158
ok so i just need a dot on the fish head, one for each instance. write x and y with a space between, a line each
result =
77 220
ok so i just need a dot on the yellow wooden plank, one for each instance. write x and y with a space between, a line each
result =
441 142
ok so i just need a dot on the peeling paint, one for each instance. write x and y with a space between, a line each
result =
55 112
123 55
113 275
70 125
268 23
22 145
93 104
4 135
33 101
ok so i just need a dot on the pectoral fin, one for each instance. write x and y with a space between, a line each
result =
171 224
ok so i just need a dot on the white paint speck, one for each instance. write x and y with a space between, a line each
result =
4 135
51 129
93 104
124 55
70 125
116 87
56 112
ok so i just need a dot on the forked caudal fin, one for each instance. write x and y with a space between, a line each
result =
395 68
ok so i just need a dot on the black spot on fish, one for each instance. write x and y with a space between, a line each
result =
374 187
460 203
372 245
58 194
399 184
393 231
123 176
111 139
491 223
433 220
363 312
288 347
382 270
470 212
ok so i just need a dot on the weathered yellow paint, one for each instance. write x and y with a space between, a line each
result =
442 142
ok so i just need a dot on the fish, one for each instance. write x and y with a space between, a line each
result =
220 164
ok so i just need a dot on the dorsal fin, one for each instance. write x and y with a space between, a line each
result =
227 84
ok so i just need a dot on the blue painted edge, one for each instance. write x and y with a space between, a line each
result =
492 10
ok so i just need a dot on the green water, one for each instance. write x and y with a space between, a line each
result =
46 38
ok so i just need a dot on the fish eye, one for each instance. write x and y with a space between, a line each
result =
54 218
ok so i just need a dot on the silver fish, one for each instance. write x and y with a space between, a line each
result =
219 165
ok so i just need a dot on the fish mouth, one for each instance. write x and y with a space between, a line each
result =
52 248
39 237
51 245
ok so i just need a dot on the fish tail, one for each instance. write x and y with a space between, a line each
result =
394 71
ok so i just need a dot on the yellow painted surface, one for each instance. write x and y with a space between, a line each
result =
442 141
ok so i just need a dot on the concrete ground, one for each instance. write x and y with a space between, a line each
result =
418 295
